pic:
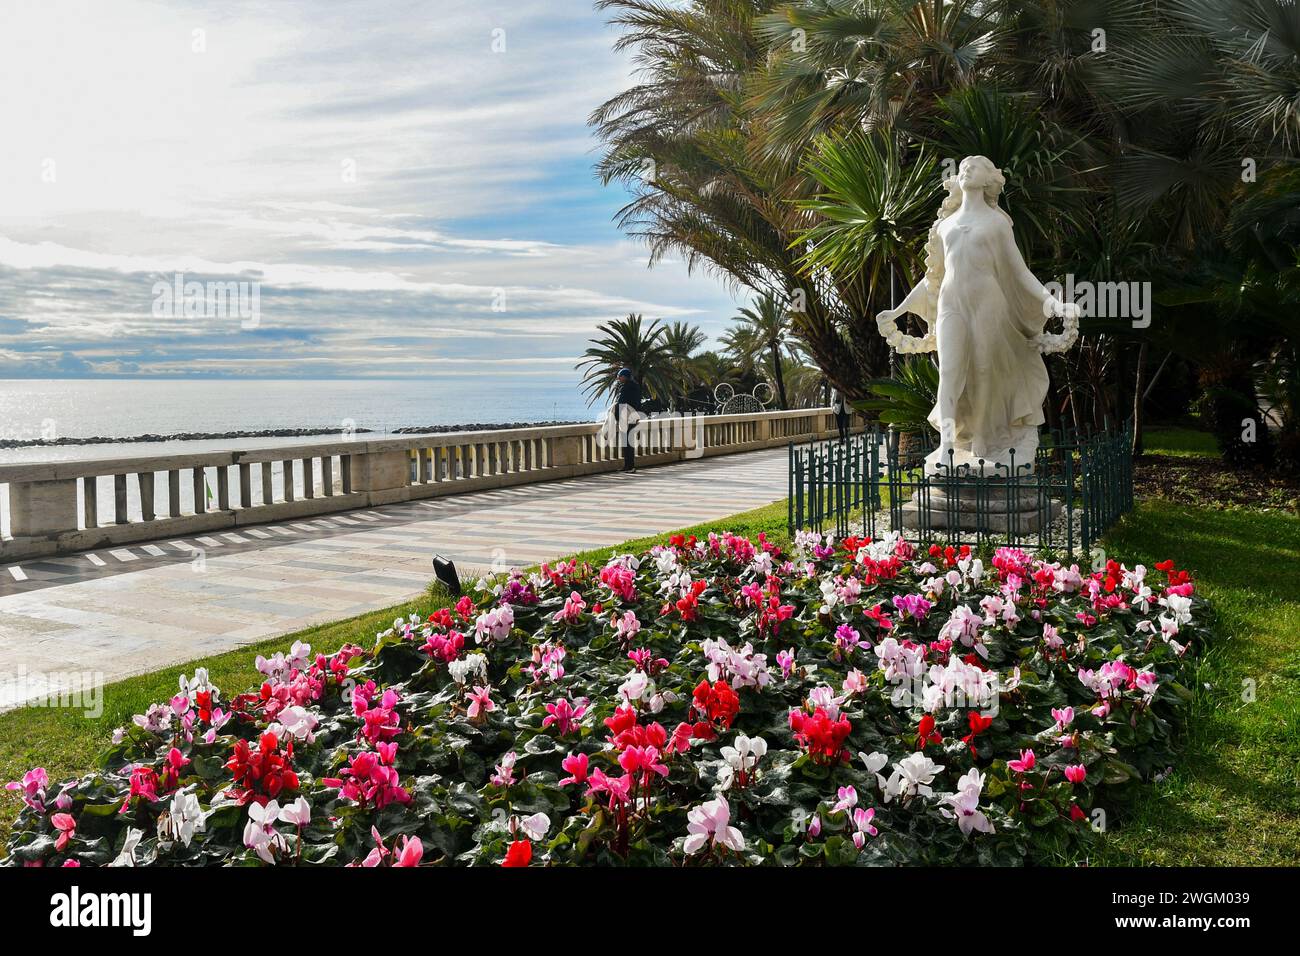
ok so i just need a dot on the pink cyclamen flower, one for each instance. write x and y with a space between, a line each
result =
574 605
1063 717
786 661
1076 774
1024 764
409 852
848 799
33 786
815 827
565 715
710 824
575 765
480 702
505 771
67 827
627 626
862 826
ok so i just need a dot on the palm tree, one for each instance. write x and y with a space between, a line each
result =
763 335
781 145
714 369
805 385
681 141
846 64
683 341
872 213
906 399
628 343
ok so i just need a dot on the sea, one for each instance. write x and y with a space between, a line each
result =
126 408
111 410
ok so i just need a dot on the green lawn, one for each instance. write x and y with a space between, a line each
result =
1179 442
1234 798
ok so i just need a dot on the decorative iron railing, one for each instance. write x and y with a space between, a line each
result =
1078 486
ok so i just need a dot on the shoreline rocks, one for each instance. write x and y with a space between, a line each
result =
264 433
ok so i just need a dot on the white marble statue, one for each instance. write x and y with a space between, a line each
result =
986 314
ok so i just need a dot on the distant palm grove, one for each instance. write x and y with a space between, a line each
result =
797 150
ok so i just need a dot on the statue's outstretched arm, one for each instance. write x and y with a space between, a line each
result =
916 301
1042 305
1027 280
919 302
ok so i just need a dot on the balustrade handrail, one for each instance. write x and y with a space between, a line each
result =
215 458
76 504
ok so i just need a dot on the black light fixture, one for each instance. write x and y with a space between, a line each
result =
445 572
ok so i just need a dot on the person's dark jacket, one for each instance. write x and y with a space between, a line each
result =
628 393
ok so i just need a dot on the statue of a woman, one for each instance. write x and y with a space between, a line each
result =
986 313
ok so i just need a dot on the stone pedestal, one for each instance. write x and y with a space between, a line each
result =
992 506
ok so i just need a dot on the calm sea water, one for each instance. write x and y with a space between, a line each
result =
86 408
122 408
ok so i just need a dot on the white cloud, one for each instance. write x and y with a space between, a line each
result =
472 177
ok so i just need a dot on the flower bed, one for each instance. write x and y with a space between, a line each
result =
708 701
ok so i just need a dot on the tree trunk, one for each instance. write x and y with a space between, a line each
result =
780 378
1138 395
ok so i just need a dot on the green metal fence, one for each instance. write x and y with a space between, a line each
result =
868 484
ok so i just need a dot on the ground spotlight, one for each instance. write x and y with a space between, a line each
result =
445 571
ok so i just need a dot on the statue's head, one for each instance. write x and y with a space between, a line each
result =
979 173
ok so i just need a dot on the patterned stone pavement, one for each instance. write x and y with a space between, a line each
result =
135 609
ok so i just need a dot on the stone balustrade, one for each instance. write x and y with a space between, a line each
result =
66 506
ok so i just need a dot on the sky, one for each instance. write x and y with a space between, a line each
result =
406 186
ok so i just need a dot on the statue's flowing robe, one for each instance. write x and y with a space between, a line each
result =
992 379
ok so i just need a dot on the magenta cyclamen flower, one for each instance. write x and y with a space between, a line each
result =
575 765
574 605
565 715
912 605
1024 764
643 761
847 638
33 786
618 788
371 778
785 659
620 580
480 702
1076 774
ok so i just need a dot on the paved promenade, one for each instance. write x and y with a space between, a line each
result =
139 608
